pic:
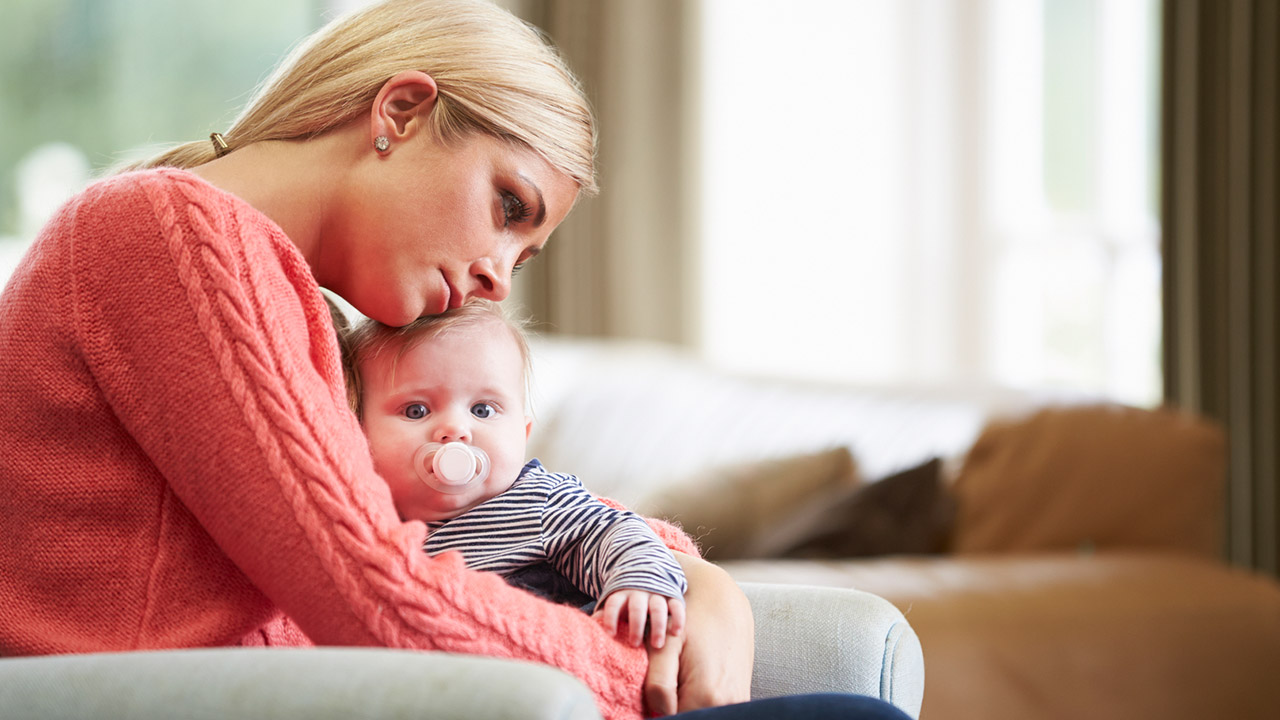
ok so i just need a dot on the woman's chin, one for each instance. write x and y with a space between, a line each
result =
395 317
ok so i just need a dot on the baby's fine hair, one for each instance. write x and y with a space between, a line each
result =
370 338
495 74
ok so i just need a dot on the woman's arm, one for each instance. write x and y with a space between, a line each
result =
717 653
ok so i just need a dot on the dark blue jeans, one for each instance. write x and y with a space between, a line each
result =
822 706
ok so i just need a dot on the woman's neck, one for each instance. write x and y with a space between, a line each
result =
290 181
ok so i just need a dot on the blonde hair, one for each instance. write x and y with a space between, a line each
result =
494 73
370 338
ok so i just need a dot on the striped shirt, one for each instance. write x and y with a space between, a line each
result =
550 517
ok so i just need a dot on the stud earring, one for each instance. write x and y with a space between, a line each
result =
381 144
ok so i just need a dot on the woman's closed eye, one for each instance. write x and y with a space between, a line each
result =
525 257
514 210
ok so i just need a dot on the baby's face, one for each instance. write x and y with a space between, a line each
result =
466 385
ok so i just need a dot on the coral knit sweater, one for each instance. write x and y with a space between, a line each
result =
178 467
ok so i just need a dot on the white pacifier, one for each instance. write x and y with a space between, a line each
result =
451 467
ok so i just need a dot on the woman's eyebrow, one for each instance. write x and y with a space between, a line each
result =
542 205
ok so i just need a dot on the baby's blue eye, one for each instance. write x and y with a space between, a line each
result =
416 411
482 410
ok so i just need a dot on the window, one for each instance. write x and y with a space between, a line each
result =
91 83
936 193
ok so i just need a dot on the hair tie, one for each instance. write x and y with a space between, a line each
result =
219 145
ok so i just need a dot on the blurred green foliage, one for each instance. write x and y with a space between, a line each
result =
117 77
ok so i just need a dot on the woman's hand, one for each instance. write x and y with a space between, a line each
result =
711 665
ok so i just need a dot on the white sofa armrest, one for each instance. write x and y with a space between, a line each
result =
808 639
820 639
280 684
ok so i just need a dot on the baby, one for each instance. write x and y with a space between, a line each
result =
442 402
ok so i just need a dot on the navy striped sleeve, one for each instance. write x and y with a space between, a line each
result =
602 549
551 517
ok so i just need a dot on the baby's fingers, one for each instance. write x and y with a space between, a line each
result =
637 611
657 620
675 608
608 610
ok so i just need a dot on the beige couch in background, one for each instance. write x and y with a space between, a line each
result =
1057 558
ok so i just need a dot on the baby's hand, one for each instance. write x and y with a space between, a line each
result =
665 616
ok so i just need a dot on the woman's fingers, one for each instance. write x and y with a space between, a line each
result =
660 683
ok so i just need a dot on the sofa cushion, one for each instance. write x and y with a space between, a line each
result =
908 513
634 419
1098 476
730 510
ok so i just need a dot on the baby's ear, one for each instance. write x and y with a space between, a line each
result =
528 427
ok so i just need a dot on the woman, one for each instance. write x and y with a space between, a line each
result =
180 466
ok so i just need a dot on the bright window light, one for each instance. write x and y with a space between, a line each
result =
932 192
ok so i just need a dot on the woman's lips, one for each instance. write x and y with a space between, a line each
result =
446 299
455 298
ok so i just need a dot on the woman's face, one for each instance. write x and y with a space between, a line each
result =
428 225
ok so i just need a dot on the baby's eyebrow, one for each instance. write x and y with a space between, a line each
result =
497 393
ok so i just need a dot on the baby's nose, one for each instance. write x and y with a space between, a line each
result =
451 432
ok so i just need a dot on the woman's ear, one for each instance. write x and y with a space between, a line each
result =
402 106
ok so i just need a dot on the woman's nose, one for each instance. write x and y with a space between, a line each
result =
491 282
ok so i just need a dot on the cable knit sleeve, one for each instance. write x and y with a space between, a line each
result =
203 328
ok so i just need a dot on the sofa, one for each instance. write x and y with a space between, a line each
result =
1058 556
853 642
